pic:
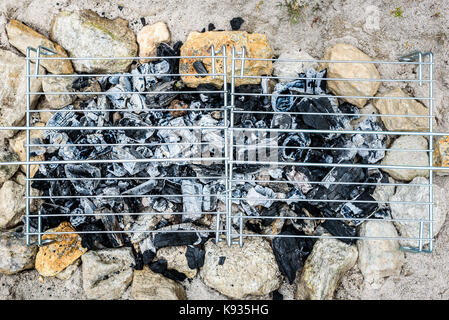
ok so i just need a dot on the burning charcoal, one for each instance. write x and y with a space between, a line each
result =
111 223
272 211
77 217
168 239
124 153
143 188
290 253
138 81
370 142
195 257
94 239
136 103
281 102
260 196
294 146
79 171
164 50
236 23
339 228
80 83
359 210
200 68
192 206
301 177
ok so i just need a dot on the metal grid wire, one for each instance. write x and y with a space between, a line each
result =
230 221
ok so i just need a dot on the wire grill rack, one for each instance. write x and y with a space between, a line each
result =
230 220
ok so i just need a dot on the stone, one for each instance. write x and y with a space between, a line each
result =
7 171
149 37
12 204
402 107
241 271
288 71
13 101
410 229
329 261
441 155
343 51
199 44
15 255
67 273
407 158
17 144
107 272
178 105
58 84
148 285
379 258
65 249
176 259
21 37
86 34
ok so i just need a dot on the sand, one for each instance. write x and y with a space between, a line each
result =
369 25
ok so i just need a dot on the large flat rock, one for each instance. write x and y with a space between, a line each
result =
199 44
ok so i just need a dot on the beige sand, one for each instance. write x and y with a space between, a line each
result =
367 24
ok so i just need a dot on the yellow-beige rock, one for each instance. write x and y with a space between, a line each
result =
15 254
17 144
199 44
22 37
441 155
241 271
409 107
343 51
7 171
86 34
176 259
149 37
148 285
65 249
51 85
13 91
329 261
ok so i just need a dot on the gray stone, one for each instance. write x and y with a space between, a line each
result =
86 34
12 205
287 71
247 270
67 273
107 273
58 84
176 259
148 285
13 102
410 229
407 158
379 258
7 171
329 261
15 255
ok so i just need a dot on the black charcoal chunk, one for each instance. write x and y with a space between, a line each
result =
81 175
370 146
291 252
221 260
277 295
195 257
160 266
211 27
236 23
200 68
167 239
359 208
339 228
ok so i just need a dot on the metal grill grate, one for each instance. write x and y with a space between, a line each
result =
229 156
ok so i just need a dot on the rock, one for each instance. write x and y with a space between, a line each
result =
58 84
178 105
148 285
67 273
7 171
13 101
17 144
405 158
21 37
402 107
379 258
12 204
382 193
86 34
176 259
342 51
441 155
198 44
66 248
15 255
107 273
288 71
142 223
323 269
149 37
240 271
410 229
